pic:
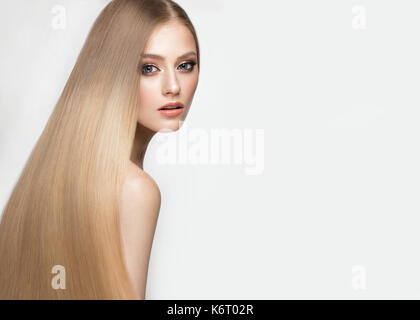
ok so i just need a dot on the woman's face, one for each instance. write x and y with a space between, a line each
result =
169 74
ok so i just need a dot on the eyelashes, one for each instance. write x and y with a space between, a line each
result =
146 68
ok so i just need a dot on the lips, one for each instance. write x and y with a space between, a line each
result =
172 106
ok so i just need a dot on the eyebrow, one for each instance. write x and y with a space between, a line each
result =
158 57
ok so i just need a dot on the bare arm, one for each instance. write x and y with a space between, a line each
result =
140 205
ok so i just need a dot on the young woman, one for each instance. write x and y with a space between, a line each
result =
83 202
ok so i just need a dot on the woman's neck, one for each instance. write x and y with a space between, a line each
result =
141 141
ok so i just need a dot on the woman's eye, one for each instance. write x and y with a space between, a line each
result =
187 66
191 64
148 68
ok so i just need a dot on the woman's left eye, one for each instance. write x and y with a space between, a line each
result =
190 63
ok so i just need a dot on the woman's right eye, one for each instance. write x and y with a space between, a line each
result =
146 68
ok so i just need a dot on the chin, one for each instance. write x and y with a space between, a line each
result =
171 125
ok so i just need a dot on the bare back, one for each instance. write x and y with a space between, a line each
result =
139 210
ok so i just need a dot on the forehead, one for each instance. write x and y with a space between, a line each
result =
170 39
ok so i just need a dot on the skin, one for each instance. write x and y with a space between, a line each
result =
161 81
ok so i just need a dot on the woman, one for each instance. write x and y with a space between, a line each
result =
83 202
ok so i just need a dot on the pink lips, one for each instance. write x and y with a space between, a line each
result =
173 112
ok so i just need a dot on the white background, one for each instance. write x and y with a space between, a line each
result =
339 107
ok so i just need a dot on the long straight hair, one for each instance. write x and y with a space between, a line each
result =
64 207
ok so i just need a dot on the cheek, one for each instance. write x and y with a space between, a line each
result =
147 93
190 85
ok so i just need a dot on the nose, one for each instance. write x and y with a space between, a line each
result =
171 85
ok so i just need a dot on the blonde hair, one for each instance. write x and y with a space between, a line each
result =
64 208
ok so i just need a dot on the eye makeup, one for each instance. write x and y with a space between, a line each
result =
151 66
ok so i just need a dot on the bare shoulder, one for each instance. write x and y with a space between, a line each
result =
140 205
140 192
